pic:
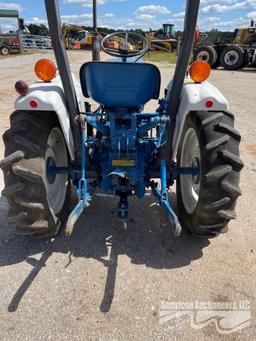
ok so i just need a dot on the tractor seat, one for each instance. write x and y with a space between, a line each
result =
120 85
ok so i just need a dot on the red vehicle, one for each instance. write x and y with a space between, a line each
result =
9 43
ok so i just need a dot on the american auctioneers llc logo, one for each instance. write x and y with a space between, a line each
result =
228 317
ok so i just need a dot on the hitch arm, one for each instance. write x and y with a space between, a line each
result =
162 196
82 191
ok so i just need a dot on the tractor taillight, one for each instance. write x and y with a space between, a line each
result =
209 104
22 88
33 103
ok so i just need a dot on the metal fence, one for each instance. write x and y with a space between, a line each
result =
36 42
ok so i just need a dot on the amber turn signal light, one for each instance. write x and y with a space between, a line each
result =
200 71
45 70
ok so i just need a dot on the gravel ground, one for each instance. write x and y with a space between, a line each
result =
107 283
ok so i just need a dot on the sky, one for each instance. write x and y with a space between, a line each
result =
129 14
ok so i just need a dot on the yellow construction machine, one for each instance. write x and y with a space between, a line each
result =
76 37
163 39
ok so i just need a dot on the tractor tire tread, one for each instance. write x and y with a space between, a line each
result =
24 171
232 159
20 140
217 173
217 204
220 174
10 159
13 190
28 204
26 174
232 190
217 143
227 214
212 118
225 128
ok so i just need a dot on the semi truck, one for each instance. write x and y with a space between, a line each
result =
234 56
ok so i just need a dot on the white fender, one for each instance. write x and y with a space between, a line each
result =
193 98
50 97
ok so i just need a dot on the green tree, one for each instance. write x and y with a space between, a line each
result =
38 30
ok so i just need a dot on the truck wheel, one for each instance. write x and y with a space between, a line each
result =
37 200
5 50
207 54
206 202
232 58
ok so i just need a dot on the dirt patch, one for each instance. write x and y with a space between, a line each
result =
249 148
4 57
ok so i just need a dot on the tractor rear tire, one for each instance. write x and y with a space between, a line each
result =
206 202
27 147
233 58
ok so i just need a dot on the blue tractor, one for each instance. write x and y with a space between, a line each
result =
55 141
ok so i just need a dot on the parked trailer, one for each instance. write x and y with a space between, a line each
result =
9 43
4 50
235 56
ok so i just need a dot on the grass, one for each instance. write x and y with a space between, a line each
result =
161 57
170 58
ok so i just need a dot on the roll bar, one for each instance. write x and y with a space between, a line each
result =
96 41
190 22
54 21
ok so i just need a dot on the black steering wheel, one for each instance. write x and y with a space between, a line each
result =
125 44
